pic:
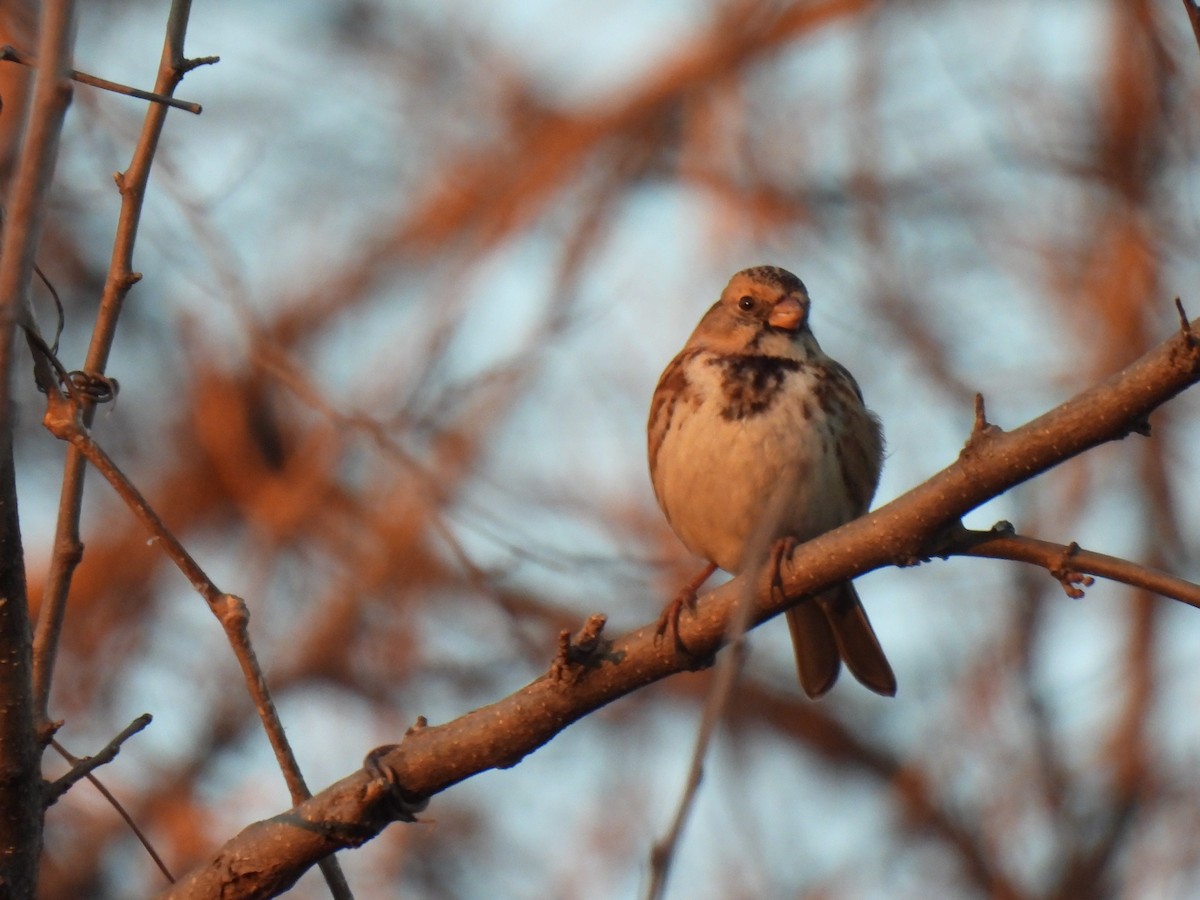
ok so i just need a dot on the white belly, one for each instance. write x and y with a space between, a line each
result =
725 484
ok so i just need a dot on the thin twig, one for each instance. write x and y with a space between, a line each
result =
981 430
68 547
1063 559
121 811
60 317
662 854
1185 326
235 619
63 419
9 53
81 768
729 667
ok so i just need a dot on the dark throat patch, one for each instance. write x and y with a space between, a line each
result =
750 384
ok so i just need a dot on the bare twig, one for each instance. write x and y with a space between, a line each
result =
84 767
1061 560
9 53
981 429
662 854
121 811
68 548
729 666
235 619
60 321
63 419
1185 326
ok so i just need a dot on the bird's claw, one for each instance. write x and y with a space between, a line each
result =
669 620
685 599
783 549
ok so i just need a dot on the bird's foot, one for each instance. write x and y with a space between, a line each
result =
685 599
783 549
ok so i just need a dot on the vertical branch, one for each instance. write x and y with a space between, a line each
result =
68 548
20 776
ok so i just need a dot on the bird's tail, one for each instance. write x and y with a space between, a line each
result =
833 627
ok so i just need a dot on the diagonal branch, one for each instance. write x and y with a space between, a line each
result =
82 768
9 53
64 419
68 548
270 855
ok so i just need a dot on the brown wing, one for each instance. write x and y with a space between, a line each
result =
671 390
860 444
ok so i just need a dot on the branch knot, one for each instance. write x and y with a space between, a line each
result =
587 650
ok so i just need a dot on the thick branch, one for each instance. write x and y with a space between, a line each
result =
268 856
20 778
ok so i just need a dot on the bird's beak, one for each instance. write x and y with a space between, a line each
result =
787 315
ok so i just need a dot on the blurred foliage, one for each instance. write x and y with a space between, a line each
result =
409 281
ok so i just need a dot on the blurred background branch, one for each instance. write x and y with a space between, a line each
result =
387 372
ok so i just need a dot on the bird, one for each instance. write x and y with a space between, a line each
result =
757 439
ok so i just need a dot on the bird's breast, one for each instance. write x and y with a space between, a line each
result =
750 451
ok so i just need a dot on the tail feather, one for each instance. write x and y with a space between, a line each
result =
856 640
817 659
833 627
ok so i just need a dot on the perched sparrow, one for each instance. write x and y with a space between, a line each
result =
756 436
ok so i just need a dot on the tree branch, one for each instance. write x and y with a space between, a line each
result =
68 548
1069 563
64 419
82 768
21 812
269 856
9 53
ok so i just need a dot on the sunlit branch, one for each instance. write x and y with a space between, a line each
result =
910 528
1068 562
64 420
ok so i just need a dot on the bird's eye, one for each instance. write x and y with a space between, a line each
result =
746 303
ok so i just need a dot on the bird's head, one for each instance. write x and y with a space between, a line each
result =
762 310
